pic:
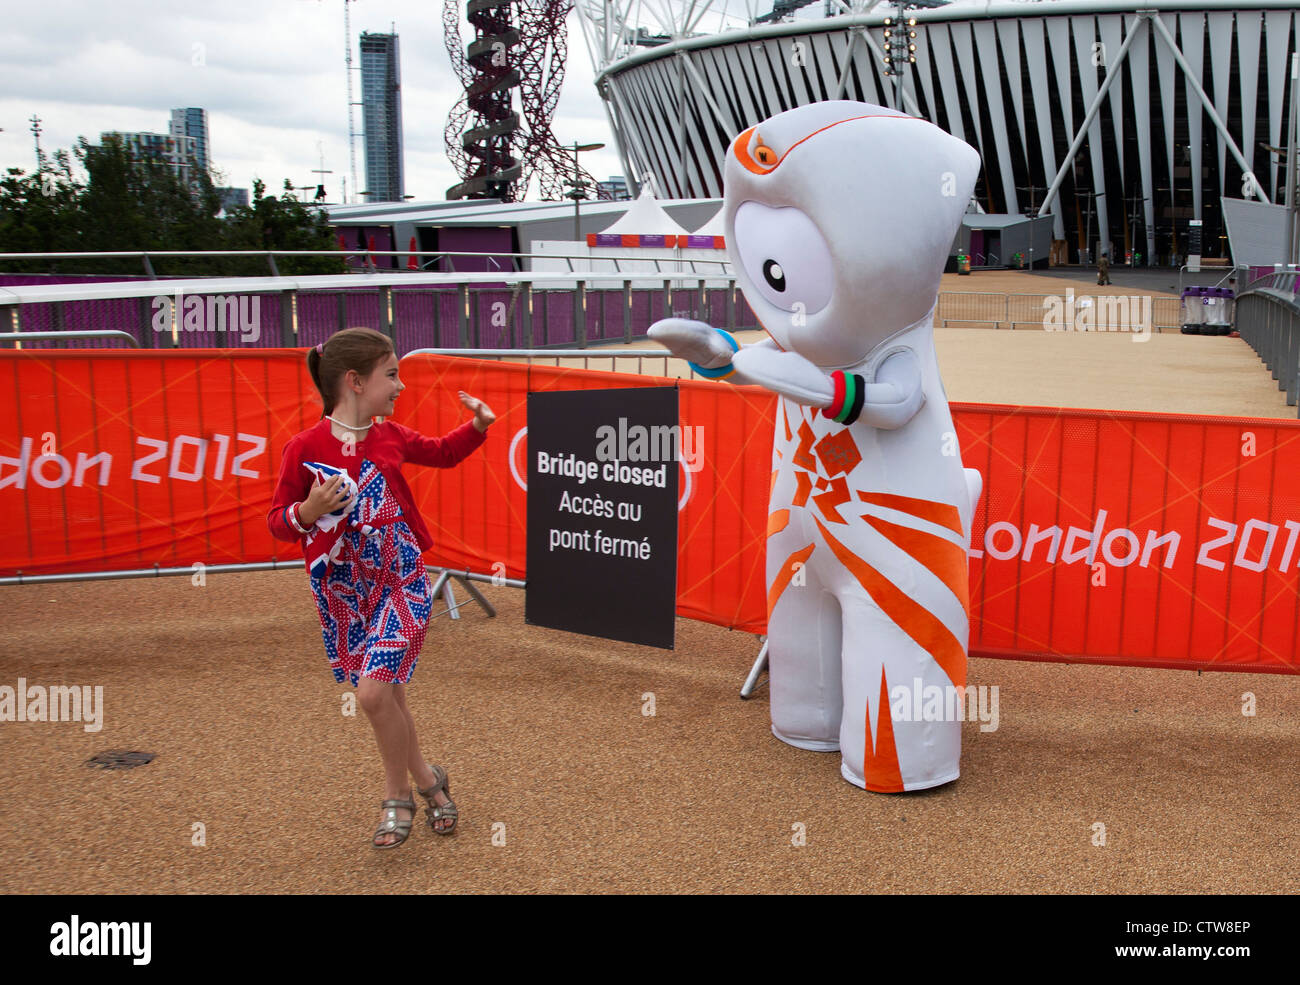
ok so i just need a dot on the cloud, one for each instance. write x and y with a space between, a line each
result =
270 75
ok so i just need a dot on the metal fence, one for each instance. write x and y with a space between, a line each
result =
1268 318
414 310
248 263
512 310
1080 312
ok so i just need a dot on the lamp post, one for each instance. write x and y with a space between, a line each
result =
579 186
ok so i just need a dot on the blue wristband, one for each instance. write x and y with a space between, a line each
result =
721 371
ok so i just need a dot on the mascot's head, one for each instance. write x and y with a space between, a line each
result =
839 218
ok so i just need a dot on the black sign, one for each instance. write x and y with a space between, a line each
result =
602 513
1194 238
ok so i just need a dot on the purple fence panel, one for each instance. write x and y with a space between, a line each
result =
363 310
225 322
608 302
97 314
745 317
413 320
449 320
421 318
555 326
36 318
493 315
318 316
590 315
715 308
686 302
118 314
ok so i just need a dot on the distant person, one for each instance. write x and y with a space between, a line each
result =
1103 269
341 494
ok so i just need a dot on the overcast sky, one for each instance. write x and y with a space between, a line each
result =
270 73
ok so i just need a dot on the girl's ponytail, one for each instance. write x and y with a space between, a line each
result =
314 359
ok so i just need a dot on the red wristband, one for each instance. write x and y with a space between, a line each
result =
837 401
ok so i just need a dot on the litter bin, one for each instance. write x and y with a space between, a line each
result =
1193 310
963 263
1019 261
1217 303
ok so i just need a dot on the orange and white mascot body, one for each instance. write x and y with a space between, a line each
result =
839 218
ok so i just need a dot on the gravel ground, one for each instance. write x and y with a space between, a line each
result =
549 751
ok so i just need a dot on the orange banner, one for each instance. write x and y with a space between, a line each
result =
112 461
477 512
1138 539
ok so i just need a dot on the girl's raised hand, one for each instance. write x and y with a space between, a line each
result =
483 415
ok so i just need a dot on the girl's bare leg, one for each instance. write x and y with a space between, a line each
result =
419 769
415 763
393 734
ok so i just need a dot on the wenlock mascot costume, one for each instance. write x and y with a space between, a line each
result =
839 219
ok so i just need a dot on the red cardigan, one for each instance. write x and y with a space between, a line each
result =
387 444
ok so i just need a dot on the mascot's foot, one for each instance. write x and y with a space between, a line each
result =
858 781
812 745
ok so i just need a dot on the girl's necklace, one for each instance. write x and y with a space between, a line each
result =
348 426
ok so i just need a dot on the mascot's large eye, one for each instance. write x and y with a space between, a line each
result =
785 256
773 274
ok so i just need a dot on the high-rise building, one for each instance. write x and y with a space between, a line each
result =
193 122
615 188
178 153
381 114
232 198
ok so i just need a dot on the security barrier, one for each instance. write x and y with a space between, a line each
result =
1268 319
1138 539
1076 308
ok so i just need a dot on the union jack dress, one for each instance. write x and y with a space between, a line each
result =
374 596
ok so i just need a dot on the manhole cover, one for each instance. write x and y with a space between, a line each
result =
119 759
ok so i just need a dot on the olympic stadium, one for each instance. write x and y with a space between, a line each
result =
1125 122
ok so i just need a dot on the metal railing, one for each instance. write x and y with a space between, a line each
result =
1268 319
1286 280
1104 312
480 310
1212 276
424 259
63 336
416 310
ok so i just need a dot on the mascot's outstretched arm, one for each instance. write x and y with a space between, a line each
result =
889 402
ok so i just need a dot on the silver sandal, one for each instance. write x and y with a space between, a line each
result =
436 812
394 825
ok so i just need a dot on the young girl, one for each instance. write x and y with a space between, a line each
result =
366 572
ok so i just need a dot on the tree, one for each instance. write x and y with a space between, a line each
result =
131 205
284 223
38 211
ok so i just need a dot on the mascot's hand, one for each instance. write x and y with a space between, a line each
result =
787 373
707 349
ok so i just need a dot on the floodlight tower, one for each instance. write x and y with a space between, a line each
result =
900 43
